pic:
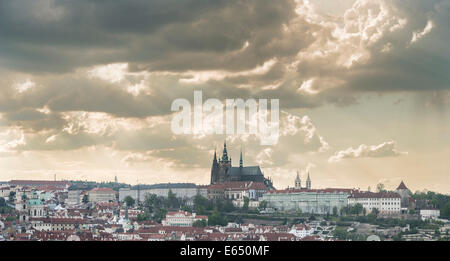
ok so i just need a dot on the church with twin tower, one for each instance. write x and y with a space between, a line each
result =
298 182
222 171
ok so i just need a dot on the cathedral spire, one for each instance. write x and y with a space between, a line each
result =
225 153
241 162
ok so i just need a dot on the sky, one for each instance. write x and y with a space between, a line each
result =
86 89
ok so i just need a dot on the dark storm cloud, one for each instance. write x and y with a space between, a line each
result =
48 35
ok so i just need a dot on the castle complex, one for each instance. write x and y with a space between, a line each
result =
223 172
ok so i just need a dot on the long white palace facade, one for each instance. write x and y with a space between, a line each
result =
331 200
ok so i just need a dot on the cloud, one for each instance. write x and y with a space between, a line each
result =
417 35
385 149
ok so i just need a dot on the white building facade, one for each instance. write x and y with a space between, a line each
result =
387 203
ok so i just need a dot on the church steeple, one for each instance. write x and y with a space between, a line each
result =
308 182
298 182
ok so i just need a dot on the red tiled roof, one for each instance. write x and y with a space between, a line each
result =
238 185
102 190
39 183
326 190
375 195
402 186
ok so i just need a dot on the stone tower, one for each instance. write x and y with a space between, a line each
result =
298 182
308 182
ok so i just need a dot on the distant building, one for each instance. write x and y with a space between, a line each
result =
181 190
4 192
40 183
301 230
298 182
385 202
101 195
316 201
407 202
182 219
429 213
29 206
73 197
237 190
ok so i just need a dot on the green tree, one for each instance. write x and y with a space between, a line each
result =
216 218
263 204
85 199
340 233
201 204
380 187
199 223
375 211
129 201
2 202
143 216
172 199
445 212
335 211
12 195
245 206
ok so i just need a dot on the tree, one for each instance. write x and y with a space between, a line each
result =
142 217
445 212
199 223
85 199
172 199
335 211
201 204
364 211
216 218
129 201
263 204
2 202
375 211
340 233
380 187
245 206
12 194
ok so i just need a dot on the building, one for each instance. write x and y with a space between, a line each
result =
40 183
315 201
237 190
101 195
407 202
29 206
182 219
301 230
181 190
4 192
386 203
222 171
298 182
73 197
429 213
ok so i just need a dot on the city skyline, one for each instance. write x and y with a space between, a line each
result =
363 88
